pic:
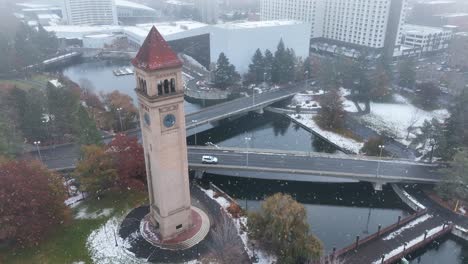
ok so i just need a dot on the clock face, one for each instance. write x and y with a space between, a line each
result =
169 120
147 119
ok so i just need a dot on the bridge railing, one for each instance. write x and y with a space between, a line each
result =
376 235
426 241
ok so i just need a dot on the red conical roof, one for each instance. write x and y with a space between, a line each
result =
155 53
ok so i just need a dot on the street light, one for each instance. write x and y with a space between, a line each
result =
264 77
247 140
120 118
37 143
381 147
195 121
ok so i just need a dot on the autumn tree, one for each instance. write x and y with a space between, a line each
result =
122 108
129 160
32 202
95 171
455 181
331 113
282 229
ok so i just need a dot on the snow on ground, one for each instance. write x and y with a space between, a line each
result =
192 61
412 199
84 214
74 200
306 101
102 246
410 244
263 257
337 139
396 118
408 226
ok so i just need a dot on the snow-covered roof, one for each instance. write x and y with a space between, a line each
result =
128 4
179 3
166 29
422 30
258 24
99 36
78 32
438 2
48 16
453 15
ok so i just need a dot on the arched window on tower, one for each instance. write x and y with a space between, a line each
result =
160 88
166 86
145 89
173 86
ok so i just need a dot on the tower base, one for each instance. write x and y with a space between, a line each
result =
190 237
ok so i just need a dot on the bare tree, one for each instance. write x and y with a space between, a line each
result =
415 116
224 244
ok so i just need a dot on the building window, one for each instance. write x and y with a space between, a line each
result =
173 85
166 86
160 88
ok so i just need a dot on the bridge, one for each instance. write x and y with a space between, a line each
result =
207 117
280 165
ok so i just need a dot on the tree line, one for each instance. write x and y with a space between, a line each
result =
281 67
22 45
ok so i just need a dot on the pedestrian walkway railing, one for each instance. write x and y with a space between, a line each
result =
380 232
446 229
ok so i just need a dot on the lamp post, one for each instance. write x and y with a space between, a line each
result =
247 140
195 122
37 143
264 77
120 118
381 147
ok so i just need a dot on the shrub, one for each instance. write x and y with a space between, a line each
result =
235 210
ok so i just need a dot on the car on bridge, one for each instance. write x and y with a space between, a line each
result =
210 160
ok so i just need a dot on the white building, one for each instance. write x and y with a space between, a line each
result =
208 10
311 11
238 41
131 11
90 12
425 39
374 24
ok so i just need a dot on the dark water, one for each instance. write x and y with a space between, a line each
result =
267 131
446 251
336 212
99 73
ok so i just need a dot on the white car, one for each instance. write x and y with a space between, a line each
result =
209 159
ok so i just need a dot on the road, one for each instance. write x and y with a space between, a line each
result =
289 165
240 106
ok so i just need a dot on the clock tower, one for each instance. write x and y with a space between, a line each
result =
160 91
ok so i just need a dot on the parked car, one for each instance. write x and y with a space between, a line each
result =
210 160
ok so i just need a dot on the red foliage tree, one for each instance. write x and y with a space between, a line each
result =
129 160
32 202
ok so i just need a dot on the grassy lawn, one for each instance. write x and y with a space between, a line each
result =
68 243
28 83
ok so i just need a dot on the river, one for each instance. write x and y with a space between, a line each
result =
336 212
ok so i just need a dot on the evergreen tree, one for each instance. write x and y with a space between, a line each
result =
85 127
62 106
225 73
308 68
280 64
9 141
268 62
455 179
407 73
46 42
27 53
456 132
256 72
